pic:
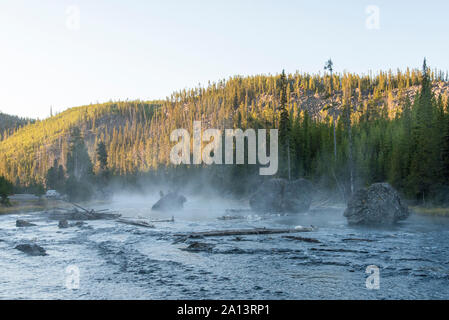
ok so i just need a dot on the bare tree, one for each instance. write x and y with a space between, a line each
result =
330 66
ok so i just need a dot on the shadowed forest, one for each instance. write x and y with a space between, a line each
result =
340 131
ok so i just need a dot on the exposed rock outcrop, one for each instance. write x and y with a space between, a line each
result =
280 195
379 204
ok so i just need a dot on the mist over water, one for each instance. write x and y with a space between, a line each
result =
119 261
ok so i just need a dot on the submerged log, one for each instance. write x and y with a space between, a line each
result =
242 232
230 217
138 223
163 220
311 240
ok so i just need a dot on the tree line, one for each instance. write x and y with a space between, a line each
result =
341 131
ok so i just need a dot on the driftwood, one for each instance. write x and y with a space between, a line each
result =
85 214
242 232
163 220
356 239
302 239
230 217
139 223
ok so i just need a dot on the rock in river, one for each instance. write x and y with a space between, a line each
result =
23 223
31 249
379 204
199 246
63 224
280 195
170 201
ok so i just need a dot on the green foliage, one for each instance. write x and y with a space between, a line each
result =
6 189
394 136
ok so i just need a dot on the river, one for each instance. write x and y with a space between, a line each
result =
110 260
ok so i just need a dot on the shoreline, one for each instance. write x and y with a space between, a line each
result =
36 205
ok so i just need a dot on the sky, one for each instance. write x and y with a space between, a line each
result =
61 54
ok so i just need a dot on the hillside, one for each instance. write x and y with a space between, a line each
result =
137 133
8 124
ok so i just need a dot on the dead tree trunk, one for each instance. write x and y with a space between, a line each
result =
351 165
242 232
288 159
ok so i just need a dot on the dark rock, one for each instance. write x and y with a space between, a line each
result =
378 204
23 224
282 196
77 224
63 224
31 249
170 201
199 246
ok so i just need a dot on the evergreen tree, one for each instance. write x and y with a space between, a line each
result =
6 189
79 168
284 129
424 163
102 156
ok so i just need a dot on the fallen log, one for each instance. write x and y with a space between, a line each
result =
136 223
85 214
242 232
78 206
311 240
163 220
357 239
230 217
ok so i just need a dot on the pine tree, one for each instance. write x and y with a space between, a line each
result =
284 127
102 156
424 163
6 189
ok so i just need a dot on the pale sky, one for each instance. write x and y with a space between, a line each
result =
67 53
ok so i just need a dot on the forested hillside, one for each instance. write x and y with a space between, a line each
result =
343 130
9 124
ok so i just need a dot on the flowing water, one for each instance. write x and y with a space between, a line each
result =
119 261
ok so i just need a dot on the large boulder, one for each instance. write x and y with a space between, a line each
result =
379 204
31 249
170 201
24 224
280 195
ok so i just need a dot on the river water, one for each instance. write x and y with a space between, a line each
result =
118 261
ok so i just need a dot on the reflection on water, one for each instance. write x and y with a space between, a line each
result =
118 261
